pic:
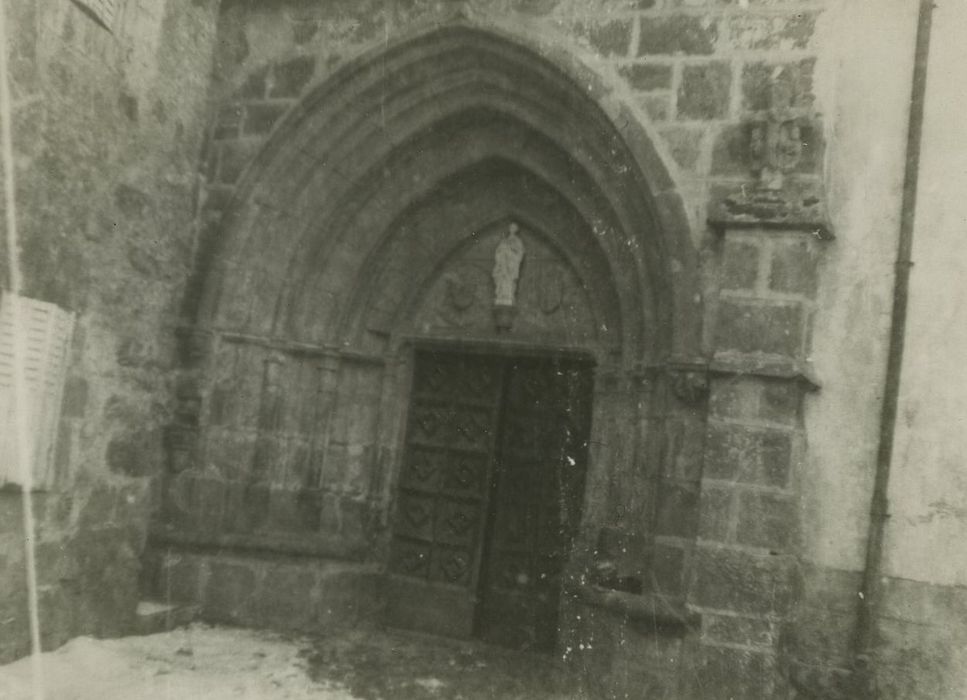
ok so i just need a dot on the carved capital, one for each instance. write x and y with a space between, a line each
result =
689 383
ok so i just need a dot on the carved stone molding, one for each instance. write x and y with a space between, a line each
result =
734 364
799 206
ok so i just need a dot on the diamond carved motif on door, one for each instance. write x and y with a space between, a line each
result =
489 495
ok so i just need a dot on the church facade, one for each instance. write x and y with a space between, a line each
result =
568 326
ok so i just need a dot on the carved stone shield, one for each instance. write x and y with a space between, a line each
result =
550 288
461 291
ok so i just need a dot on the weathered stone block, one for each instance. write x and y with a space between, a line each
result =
75 398
286 598
668 569
685 144
304 31
610 38
628 553
786 31
792 82
254 511
794 267
715 514
56 563
260 118
781 401
215 200
686 34
229 592
735 580
730 151
57 612
11 512
231 453
767 520
721 672
677 509
775 459
750 455
534 7
135 455
735 398
647 76
229 122
684 449
180 578
736 629
255 86
234 155
704 91
740 264
291 77
775 328
346 597
658 107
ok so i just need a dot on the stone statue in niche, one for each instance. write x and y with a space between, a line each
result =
507 261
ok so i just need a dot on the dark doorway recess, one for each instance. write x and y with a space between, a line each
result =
489 496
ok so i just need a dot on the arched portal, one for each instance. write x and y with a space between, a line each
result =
368 233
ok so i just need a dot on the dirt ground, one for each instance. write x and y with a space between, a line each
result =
218 663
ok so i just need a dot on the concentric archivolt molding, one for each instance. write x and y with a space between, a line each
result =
386 131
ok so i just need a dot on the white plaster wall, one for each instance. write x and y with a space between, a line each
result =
863 91
927 535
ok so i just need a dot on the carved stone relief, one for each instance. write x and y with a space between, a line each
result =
508 281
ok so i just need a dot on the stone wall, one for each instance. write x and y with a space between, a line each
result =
693 69
107 130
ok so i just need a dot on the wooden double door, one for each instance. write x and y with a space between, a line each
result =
489 496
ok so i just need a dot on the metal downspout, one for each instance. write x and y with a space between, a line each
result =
870 591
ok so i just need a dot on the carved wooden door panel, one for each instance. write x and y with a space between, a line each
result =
443 493
489 496
538 488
